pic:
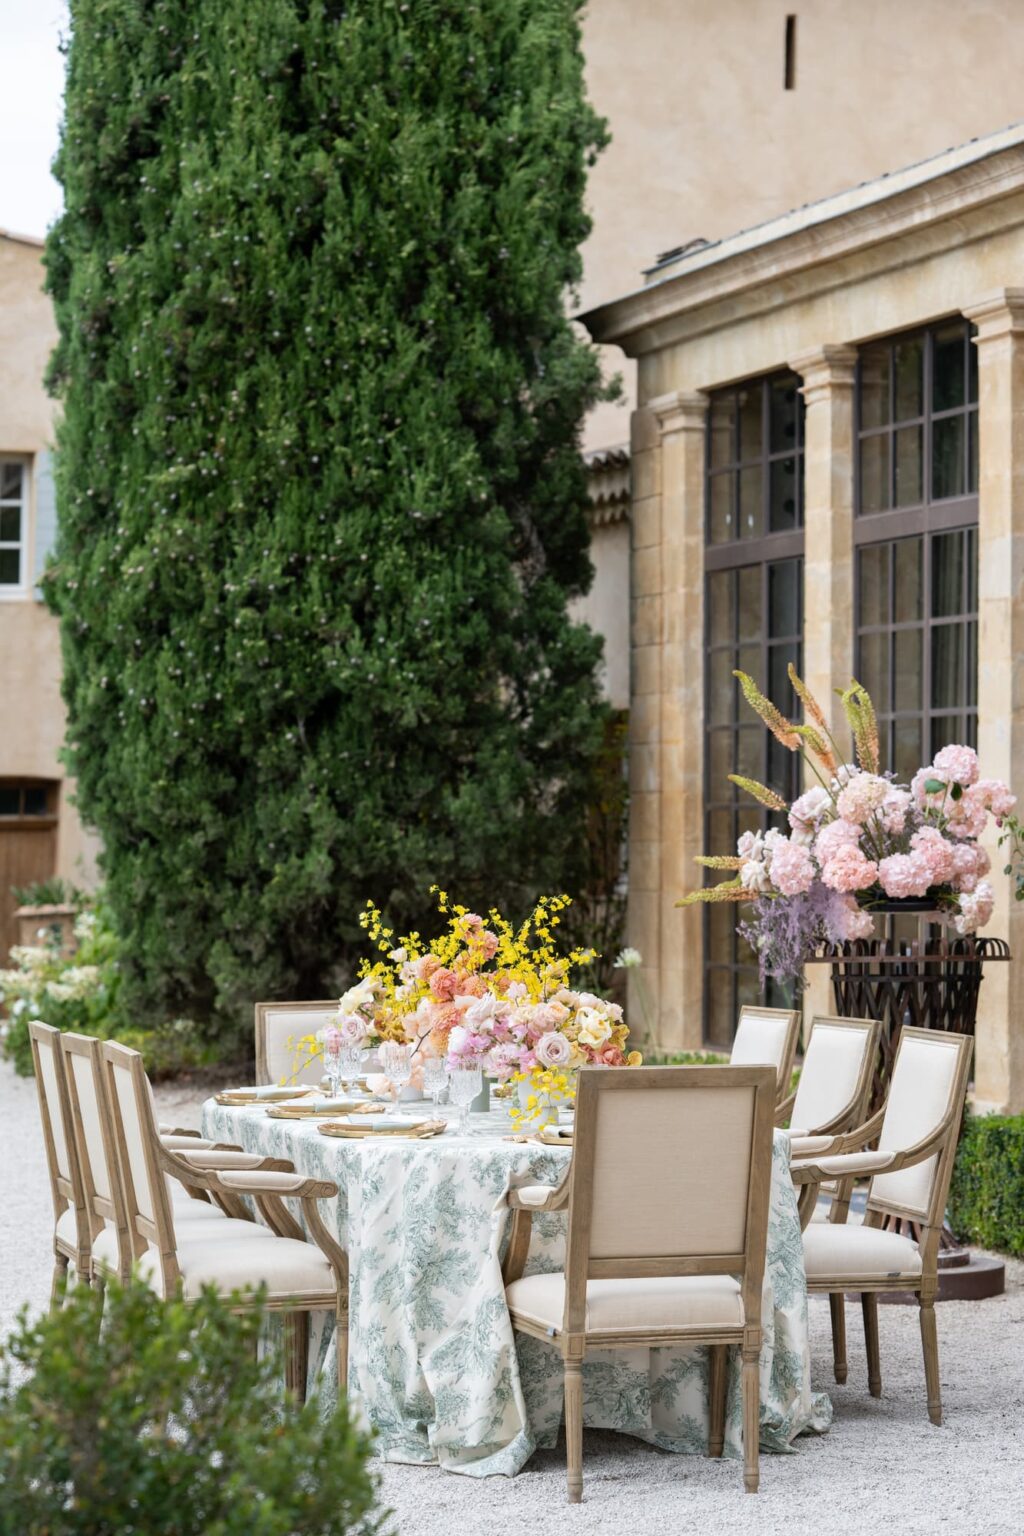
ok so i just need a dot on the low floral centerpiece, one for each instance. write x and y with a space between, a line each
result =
857 840
483 993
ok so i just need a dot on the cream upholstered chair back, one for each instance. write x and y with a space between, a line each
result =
277 1024
146 1195
928 1085
767 1037
97 1149
670 1174
58 1124
835 1080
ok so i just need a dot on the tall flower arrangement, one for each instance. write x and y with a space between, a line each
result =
482 992
856 838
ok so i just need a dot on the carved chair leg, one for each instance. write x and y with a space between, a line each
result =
751 1419
837 1308
60 1280
296 1353
341 1343
869 1307
930 1344
718 1376
574 1429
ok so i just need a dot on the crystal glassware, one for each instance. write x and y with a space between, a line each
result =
333 1067
352 1059
435 1077
465 1082
396 1064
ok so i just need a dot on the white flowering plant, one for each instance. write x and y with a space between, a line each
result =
77 991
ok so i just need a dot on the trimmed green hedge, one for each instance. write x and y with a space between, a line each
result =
986 1200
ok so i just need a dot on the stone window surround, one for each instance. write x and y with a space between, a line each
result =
902 258
22 588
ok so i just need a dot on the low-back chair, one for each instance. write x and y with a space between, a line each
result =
674 1257
917 1130
299 1276
279 1023
767 1037
71 1231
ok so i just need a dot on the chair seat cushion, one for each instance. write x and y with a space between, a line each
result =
843 1252
67 1228
625 1306
213 1256
187 1209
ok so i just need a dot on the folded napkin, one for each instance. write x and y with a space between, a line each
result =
309 1109
269 1093
420 1130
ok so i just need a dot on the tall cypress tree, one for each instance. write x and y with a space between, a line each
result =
321 502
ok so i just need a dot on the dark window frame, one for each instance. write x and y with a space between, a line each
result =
761 552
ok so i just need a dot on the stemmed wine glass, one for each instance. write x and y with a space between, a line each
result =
435 1077
333 1067
465 1082
352 1059
396 1064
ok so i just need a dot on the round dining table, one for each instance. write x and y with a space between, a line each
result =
434 1365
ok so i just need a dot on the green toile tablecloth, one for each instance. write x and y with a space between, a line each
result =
433 1362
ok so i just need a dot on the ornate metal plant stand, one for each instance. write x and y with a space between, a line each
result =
931 984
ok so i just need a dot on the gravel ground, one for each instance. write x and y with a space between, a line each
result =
882 1465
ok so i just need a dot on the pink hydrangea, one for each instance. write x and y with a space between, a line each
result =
792 868
970 862
894 809
848 869
808 809
904 874
927 798
965 817
994 795
975 908
861 797
956 765
934 852
833 836
853 922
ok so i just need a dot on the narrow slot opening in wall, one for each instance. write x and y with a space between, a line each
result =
790 63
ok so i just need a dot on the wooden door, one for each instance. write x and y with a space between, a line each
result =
28 847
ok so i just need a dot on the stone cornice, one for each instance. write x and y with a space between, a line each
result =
827 368
608 486
951 209
679 411
998 314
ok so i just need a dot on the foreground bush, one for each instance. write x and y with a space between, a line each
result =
986 1198
163 1423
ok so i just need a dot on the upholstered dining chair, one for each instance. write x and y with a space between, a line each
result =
835 1079
673 1259
71 1231
909 1172
767 1037
299 1276
110 1250
279 1023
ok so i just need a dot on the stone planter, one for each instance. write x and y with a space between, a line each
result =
43 925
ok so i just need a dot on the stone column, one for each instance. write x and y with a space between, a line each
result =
999 1056
667 715
829 645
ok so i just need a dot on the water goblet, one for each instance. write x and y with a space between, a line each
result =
333 1065
465 1082
435 1077
396 1064
352 1059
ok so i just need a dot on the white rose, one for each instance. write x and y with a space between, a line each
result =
754 876
594 1029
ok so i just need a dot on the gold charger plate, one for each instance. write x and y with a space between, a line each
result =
422 1132
312 1111
555 1136
235 1099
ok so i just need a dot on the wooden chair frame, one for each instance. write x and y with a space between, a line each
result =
261 1025
66 1186
785 1065
840 1158
232 1175
575 1194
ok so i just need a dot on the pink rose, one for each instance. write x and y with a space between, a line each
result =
847 869
553 1050
489 944
609 1056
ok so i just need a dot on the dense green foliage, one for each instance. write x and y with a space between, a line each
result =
83 991
986 1198
320 497
163 1423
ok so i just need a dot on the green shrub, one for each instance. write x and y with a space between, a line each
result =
684 1059
163 1423
986 1198
322 509
83 992
54 892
